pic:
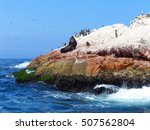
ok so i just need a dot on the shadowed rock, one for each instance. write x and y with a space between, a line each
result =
105 88
129 52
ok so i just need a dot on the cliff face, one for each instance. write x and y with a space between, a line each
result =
115 54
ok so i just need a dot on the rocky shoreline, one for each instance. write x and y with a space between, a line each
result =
125 61
83 72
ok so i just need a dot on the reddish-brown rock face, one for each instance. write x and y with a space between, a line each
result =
94 62
81 72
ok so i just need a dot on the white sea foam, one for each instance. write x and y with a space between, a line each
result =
22 65
105 86
29 71
123 95
9 76
131 95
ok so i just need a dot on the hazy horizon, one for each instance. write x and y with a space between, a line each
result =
29 28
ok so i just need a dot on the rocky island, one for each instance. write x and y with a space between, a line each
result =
113 55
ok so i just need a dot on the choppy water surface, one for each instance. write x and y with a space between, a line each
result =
39 97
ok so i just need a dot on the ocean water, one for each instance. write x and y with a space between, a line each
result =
40 97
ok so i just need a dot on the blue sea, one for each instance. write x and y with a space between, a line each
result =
40 97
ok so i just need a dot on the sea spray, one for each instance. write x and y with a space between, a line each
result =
22 65
125 96
131 95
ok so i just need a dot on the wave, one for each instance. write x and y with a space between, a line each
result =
22 65
131 95
9 76
125 96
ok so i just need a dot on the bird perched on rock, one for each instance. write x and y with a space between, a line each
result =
88 44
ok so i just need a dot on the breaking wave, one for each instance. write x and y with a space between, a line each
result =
123 95
131 95
22 65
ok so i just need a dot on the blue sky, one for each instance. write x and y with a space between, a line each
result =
29 28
